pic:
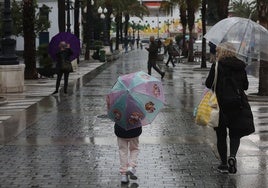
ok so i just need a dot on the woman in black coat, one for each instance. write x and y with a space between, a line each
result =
237 118
63 56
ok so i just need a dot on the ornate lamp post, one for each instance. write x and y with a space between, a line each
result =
68 7
168 24
8 56
103 16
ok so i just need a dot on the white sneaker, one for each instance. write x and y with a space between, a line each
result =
131 171
124 178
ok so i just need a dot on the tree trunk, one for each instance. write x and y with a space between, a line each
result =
61 15
191 19
126 25
223 6
204 46
118 20
262 9
29 54
76 21
184 24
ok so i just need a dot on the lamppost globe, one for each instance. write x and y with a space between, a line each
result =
105 10
99 10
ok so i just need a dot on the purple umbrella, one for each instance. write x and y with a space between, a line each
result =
69 38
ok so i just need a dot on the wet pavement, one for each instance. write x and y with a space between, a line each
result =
68 141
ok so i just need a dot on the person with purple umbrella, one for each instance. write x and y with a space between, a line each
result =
63 57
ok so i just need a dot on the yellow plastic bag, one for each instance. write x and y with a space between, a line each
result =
207 111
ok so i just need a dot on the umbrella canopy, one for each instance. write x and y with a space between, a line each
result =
69 38
249 38
135 100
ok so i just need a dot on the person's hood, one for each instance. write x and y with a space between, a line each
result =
233 63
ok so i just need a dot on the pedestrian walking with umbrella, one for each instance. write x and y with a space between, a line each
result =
133 102
237 40
235 112
63 48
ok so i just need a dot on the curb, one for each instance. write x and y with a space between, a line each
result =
3 101
256 97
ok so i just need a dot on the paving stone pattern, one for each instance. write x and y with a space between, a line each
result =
72 144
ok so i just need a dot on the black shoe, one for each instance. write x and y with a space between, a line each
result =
162 75
167 65
223 169
232 165
55 92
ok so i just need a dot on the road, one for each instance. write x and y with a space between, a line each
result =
68 141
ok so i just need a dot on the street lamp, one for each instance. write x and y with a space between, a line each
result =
8 56
89 31
68 4
168 24
103 13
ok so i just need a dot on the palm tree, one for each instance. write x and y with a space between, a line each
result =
29 54
167 7
244 9
262 9
61 15
222 8
183 16
204 50
192 7
133 8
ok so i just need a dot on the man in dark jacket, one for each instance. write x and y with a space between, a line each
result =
238 119
152 57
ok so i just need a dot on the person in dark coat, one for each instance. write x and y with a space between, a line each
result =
170 50
152 57
63 55
239 121
128 143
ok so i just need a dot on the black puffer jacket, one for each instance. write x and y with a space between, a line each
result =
122 133
239 122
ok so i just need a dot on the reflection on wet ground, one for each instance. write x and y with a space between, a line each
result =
69 141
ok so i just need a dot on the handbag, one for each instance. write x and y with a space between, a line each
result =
66 67
207 113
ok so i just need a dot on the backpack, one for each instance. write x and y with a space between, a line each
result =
231 95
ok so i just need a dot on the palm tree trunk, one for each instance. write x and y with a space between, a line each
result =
61 15
191 19
262 9
29 54
204 50
76 21
223 9
184 24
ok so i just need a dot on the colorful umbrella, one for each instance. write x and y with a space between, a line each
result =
69 38
135 100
